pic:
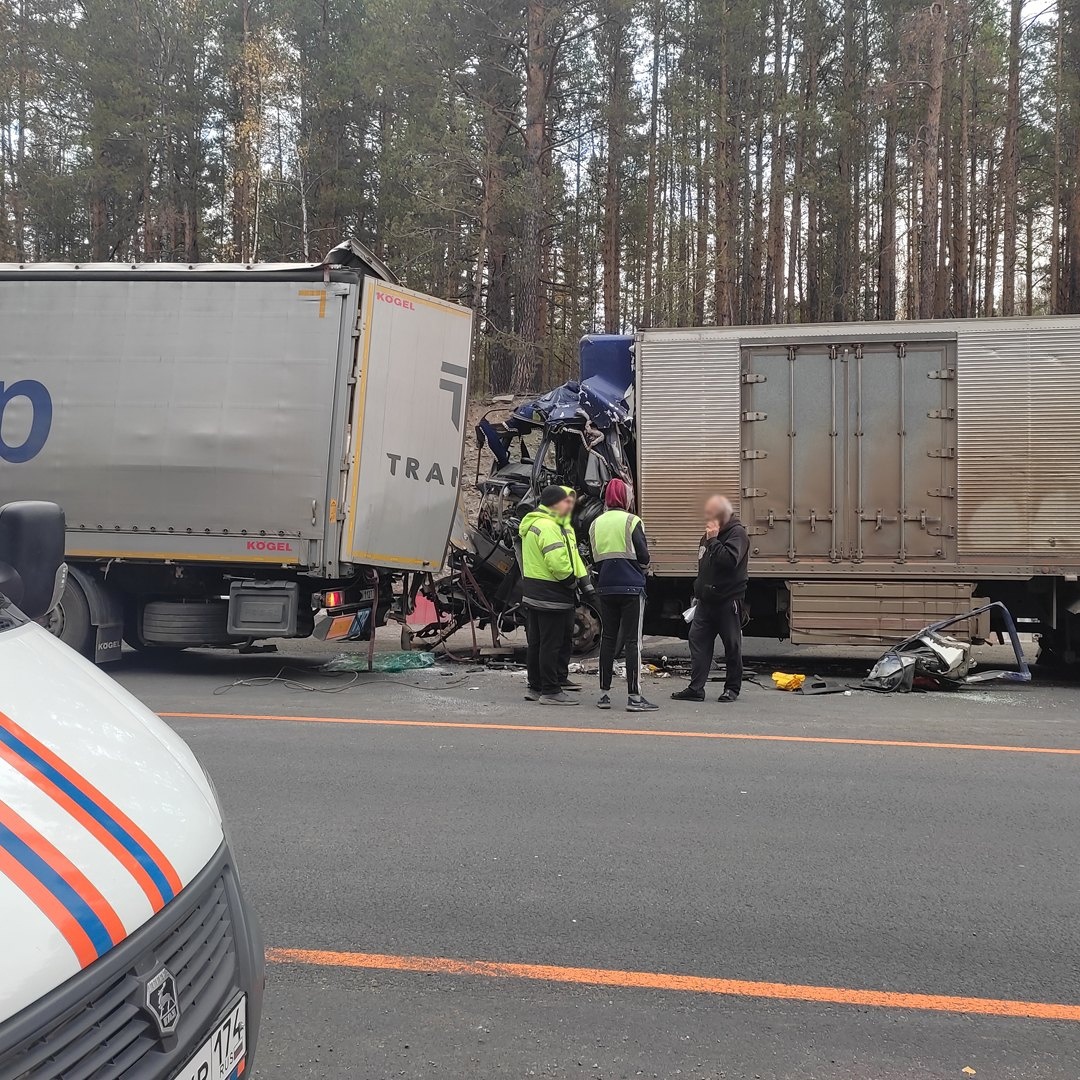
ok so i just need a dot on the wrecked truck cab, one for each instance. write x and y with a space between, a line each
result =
578 435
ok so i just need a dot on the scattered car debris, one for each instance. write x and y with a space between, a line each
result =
387 662
933 660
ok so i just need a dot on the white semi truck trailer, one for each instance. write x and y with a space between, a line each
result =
235 447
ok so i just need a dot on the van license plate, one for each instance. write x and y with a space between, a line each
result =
221 1057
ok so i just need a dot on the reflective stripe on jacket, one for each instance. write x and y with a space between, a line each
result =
551 566
611 535
617 539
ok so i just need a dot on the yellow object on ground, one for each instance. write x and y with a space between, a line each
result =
788 682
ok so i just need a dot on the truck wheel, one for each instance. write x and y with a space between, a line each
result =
70 619
180 624
1056 652
586 630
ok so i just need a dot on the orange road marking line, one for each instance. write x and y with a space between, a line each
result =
660 734
696 984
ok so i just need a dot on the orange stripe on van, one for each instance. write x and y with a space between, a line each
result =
50 907
55 861
121 851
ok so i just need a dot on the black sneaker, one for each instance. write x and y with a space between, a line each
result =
639 704
531 694
604 702
727 697
689 695
558 699
573 687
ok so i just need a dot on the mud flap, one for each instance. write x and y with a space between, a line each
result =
109 642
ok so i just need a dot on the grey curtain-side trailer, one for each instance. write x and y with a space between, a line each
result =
234 446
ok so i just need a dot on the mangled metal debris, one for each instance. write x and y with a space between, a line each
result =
931 659
579 434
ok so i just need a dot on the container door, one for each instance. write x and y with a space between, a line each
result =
902 419
849 452
791 403
408 428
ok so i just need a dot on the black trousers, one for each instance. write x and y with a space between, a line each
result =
711 621
621 616
551 637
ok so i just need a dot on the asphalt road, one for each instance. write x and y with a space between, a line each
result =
455 897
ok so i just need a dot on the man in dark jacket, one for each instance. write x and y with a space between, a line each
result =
617 539
719 592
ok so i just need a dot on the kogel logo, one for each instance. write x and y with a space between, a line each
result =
21 396
269 545
395 301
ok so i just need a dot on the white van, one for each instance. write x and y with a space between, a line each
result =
127 950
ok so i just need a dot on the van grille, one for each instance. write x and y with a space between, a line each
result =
107 1035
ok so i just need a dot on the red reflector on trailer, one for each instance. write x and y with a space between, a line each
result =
335 598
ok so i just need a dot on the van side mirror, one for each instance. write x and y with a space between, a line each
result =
32 555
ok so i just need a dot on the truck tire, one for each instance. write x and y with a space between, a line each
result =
586 630
70 619
181 624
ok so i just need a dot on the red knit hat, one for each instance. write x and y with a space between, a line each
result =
617 495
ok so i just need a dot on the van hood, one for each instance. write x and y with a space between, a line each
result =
104 815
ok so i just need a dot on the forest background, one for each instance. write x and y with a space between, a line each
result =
564 166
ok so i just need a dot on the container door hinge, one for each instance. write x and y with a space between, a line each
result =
942 493
944 452
942 414
945 373
754 455
753 493
750 416
753 377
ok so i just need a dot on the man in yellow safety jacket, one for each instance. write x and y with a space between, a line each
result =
621 555
552 575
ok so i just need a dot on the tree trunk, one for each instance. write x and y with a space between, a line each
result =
990 264
797 182
618 88
1055 223
529 352
724 187
961 292
941 290
928 234
843 207
774 259
1010 166
812 309
245 124
650 197
886 308
18 179
1029 262
701 226
755 293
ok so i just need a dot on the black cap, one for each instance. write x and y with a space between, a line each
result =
552 495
